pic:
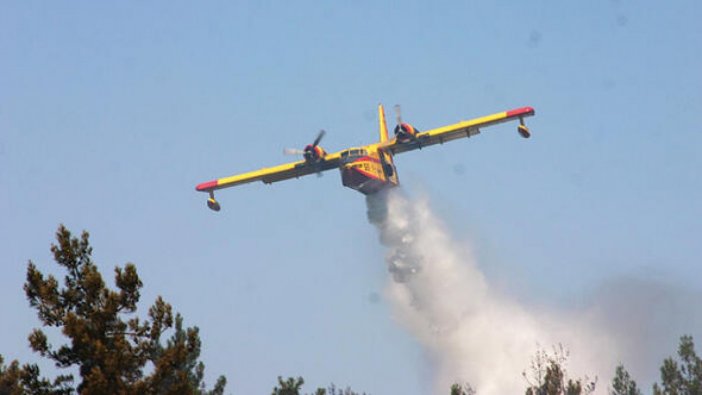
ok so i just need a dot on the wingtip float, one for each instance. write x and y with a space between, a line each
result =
370 168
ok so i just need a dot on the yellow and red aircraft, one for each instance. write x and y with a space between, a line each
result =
370 168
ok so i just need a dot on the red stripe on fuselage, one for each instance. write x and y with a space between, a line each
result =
367 174
367 159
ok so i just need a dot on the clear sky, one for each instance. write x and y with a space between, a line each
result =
111 113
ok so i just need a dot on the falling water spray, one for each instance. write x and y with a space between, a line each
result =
471 332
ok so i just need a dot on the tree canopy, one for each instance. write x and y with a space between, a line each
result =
112 349
683 377
293 386
623 384
549 377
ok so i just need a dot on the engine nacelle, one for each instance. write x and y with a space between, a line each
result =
314 153
405 132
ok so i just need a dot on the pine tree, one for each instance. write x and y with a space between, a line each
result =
462 389
107 343
10 378
623 384
683 378
548 376
334 390
16 380
291 386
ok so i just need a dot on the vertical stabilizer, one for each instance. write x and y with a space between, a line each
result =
383 126
385 156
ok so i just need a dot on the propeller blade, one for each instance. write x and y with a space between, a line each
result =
319 137
398 114
293 151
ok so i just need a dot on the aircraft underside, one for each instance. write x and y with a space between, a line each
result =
361 181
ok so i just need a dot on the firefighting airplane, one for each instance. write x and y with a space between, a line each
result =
370 168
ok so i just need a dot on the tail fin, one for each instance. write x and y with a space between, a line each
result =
383 126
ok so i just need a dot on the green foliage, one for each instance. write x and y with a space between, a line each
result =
108 344
293 386
333 390
549 376
683 377
623 384
10 378
462 389
16 380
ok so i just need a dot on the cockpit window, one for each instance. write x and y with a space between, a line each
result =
354 153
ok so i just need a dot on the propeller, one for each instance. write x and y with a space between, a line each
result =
296 151
398 114
320 135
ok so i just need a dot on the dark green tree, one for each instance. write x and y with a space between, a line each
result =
10 378
548 376
462 389
107 343
623 384
20 380
683 377
291 386
334 390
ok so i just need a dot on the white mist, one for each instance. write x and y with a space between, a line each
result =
472 333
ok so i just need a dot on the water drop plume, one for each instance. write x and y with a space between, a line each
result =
471 332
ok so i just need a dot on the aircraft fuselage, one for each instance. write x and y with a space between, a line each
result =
367 170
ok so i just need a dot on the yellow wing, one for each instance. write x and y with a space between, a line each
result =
273 174
459 130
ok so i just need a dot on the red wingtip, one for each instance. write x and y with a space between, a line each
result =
520 111
205 186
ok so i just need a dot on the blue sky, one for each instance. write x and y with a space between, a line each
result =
110 114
